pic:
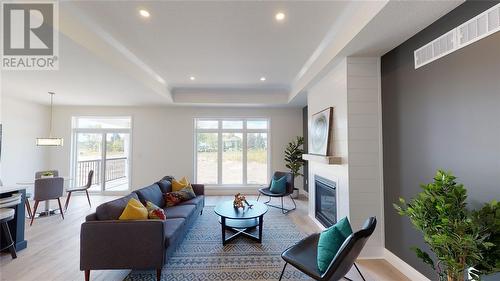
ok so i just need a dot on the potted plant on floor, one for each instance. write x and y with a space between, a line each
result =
293 159
488 218
456 239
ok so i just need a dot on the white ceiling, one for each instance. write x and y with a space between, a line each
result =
109 55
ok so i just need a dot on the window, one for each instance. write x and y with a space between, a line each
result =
232 151
102 144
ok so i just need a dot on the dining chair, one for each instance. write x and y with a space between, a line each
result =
85 188
38 175
288 191
47 189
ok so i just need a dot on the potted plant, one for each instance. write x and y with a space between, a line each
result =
293 158
440 213
47 174
488 218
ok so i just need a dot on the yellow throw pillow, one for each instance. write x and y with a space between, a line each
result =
178 185
134 211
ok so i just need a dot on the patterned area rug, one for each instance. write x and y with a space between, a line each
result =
201 255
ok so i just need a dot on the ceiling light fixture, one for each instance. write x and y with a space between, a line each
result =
50 141
280 16
192 78
144 13
262 78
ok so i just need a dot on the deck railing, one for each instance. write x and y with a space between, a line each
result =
116 168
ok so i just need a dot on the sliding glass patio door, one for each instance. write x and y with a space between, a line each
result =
106 151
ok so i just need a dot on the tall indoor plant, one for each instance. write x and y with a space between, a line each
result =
293 156
440 213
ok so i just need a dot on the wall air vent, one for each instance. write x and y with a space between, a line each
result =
467 33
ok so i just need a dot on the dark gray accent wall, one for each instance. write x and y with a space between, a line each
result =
443 115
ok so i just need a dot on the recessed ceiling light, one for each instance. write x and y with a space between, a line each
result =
192 78
280 16
144 13
262 78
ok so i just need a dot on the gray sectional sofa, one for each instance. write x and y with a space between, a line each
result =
109 243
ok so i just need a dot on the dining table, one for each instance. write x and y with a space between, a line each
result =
47 210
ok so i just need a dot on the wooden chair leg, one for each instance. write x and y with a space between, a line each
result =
87 274
158 274
88 197
60 208
34 211
67 201
28 207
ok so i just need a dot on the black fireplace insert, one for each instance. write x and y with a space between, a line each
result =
326 201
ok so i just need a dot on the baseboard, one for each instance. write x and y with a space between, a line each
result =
371 253
403 267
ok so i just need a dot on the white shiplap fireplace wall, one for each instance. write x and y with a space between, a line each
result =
352 88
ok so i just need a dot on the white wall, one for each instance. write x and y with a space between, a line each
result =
365 147
162 141
352 88
331 90
23 122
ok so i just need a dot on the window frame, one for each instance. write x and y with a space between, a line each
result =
244 131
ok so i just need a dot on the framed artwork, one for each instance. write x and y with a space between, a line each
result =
321 130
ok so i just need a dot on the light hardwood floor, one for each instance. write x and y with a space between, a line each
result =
53 251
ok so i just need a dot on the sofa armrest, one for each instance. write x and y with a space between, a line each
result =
118 244
91 217
199 189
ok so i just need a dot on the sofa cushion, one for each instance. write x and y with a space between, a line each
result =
165 186
198 200
151 193
184 211
113 209
173 230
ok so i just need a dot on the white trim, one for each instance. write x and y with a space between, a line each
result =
403 267
381 220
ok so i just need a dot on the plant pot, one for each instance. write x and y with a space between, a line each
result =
295 194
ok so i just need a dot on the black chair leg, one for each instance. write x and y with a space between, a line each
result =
258 197
359 271
294 205
282 207
283 271
8 239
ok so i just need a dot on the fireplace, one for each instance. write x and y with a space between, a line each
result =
326 201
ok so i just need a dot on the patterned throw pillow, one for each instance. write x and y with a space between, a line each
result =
176 197
155 212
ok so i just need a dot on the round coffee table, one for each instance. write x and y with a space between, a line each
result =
241 220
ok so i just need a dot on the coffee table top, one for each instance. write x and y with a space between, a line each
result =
226 209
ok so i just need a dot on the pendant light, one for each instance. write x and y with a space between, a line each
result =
50 141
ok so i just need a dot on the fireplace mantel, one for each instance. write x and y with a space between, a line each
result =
329 160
